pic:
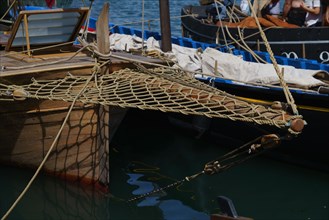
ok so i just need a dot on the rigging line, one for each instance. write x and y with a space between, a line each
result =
96 70
85 31
258 58
87 45
12 4
143 13
221 26
231 15
255 56
280 74
251 35
236 150
215 166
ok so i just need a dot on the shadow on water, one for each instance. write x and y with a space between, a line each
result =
148 153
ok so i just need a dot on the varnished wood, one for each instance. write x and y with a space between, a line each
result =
26 26
29 126
103 131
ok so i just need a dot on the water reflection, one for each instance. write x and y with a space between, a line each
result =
171 209
144 158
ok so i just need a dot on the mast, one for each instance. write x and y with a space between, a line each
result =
165 25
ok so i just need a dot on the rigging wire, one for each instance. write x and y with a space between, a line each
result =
143 13
237 156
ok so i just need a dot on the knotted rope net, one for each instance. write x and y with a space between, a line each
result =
161 89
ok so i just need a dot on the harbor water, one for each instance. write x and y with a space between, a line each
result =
148 152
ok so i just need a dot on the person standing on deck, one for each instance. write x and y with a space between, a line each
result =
293 12
313 13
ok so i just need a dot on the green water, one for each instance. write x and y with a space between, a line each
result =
147 153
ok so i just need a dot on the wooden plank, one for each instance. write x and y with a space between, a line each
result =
33 58
26 26
47 68
26 140
102 34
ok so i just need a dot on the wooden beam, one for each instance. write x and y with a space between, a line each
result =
103 136
165 26
26 27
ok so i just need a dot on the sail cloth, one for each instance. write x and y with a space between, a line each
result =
228 66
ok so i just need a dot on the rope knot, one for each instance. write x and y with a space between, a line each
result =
212 168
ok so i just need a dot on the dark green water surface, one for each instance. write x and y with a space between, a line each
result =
147 153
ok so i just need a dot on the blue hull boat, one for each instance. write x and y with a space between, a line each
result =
308 149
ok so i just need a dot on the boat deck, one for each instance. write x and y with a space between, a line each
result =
11 65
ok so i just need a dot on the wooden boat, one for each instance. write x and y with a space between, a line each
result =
301 42
29 126
74 134
309 149
44 126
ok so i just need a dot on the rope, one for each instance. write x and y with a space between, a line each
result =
290 99
143 13
221 26
85 31
255 56
155 89
237 156
191 95
12 4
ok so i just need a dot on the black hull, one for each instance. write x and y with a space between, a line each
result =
310 43
303 98
309 149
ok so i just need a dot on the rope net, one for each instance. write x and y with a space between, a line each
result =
161 89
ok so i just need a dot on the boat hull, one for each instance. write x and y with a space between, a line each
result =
304 42
29 126
310 148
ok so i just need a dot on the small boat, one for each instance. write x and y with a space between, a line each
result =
297 42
